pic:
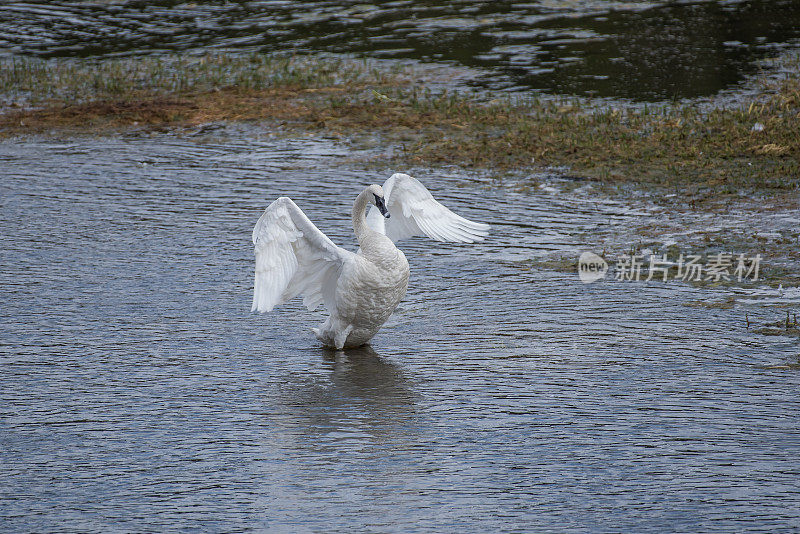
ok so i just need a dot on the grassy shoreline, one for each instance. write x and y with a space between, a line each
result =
753 145
742 158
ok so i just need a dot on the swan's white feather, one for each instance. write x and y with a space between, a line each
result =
414 212
293 257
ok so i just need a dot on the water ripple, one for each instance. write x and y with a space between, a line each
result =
138 393
642 50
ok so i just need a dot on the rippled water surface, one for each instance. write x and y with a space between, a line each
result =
138 393
643 50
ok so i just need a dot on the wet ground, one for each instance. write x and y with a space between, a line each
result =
645 51
138 393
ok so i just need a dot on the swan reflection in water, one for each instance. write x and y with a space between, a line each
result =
362 372
353 392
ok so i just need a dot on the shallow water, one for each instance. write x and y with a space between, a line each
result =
137 392
641 50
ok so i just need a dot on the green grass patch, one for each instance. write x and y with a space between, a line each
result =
36 82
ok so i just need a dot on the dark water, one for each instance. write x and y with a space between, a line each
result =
625 49
137 393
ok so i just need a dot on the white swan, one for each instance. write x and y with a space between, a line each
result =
360 290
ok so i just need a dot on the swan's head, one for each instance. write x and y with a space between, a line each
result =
378 199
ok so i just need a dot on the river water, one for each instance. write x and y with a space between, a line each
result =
630 49
138 393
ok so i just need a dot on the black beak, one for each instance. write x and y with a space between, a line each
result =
381 206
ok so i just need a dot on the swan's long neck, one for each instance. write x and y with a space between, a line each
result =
360 215
374 246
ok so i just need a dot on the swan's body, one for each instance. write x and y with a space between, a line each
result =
360 290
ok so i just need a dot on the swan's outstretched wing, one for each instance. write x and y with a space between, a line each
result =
293 257
414 211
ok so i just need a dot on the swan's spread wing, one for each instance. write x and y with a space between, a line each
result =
293 257
414 211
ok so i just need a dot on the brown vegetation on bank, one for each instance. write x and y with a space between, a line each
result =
753 145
